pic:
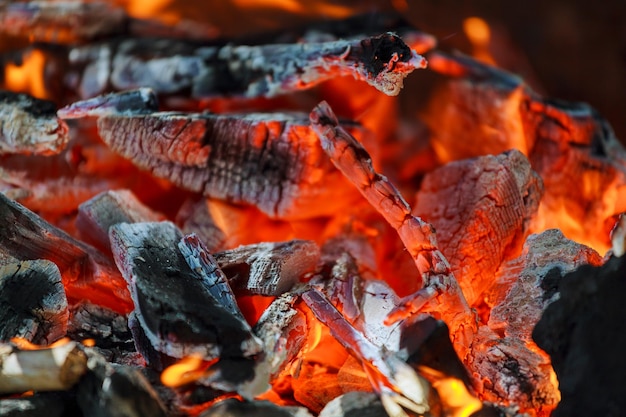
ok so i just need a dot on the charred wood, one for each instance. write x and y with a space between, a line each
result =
33 305
134 102
364 404
269 268
481 209
86 273
195 216
417 236
50 404
176 313
108 390
55 368
186 69
583 332
97 215
272 161
526 285
30 126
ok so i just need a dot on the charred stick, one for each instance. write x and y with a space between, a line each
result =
30 126
396 381
134 102
87 273
418 236
33 304
273 161
181 68
55 368
176 313
269 268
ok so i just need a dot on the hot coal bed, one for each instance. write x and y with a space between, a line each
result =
194 225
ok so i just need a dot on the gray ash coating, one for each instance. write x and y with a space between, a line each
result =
377 52
33 106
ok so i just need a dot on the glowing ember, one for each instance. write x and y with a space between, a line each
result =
28 77
187 370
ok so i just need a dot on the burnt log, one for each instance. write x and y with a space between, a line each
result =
195 216
481 209
272 161
270 268
30 126
33 305
176 313
183 68
86 272
584 332
56 368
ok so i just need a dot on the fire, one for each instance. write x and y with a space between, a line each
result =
28 77
456 399
327 9
152 9
479 34
24 344
187 370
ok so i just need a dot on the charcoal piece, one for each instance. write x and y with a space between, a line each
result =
181 68
526 285
55 368
269 268
272 161
506 371
33 304
98 214
174 307
584 332
234 408
30 126
86 272
108 390
195 217
107 328
50 404
481 209
140 101
486 110
352 404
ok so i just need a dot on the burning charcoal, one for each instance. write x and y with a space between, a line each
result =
107 328
527 284
364 404
195 217
98 214
418 236
584 332
273 161
283 330
30 126
481 209
50 404
55 368
86 273
33 305
509 372
177 67
140 101
116 391
408 389
485 110
176 312
269 268
234 408
345 286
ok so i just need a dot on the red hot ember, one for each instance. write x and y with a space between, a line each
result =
263 257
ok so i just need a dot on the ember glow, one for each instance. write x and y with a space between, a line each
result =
309 238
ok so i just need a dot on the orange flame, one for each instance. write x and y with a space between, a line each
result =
456 400
24 344
28 77
479 35
185 371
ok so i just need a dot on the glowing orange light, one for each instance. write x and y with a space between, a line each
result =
298 7
185 371
457 401
155 9
28 77
479 35
24 344
89 342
